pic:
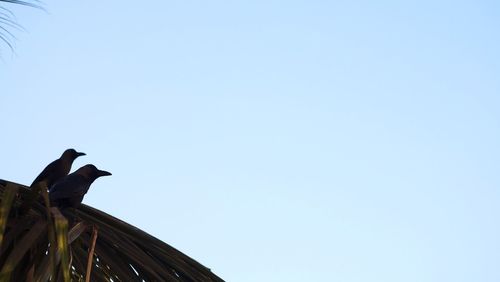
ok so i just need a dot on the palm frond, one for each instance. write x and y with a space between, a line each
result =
89 245
8 20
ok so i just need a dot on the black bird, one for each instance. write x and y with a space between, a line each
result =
53 172
57 169
69 191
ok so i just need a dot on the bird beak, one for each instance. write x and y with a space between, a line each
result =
80 154
103 173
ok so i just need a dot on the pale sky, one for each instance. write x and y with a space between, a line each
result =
274 140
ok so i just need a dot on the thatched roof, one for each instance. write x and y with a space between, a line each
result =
120 251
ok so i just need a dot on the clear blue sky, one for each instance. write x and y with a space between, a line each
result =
274 140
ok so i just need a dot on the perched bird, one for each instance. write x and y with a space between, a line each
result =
69 191
57 169
53 172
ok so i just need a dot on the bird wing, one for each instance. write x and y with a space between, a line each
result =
46 172
73 185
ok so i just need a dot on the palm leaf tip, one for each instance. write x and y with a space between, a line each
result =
32 3
8 20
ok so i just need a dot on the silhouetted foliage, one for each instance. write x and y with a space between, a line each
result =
8 21
82 244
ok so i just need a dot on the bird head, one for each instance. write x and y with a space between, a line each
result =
71 154
91 172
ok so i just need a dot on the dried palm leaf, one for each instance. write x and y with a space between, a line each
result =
83 244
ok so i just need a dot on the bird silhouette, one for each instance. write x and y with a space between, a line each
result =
69 191
57 169
53 172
